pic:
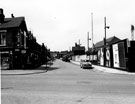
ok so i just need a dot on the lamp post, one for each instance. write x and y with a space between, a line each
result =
106 27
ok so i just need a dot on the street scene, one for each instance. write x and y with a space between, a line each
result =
66 83
67 52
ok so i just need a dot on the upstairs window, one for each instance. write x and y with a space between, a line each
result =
2 39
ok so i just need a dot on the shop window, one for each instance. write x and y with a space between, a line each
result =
2 39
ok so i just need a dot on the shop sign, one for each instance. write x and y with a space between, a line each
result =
3 30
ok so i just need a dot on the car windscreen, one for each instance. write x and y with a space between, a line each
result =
85 60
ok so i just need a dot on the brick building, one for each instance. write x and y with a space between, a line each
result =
18 47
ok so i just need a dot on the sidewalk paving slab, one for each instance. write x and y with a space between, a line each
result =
106 69
40 69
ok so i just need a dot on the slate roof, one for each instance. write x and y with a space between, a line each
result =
12 22
108 42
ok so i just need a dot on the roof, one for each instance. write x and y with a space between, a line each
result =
80 48
12 22
108 41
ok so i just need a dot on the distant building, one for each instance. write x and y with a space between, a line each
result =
78 50
62 53
54 54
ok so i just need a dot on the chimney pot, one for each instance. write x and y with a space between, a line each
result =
12 15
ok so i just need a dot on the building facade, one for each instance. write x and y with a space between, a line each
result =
116 54
78 50
18 46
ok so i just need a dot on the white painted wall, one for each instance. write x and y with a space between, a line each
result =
79 57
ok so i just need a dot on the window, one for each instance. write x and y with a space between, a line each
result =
2 39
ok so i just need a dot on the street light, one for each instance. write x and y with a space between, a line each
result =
106 27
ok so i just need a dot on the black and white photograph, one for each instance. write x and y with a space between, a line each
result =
67 52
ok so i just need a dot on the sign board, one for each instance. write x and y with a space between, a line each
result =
115 55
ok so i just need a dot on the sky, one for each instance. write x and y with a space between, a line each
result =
59 24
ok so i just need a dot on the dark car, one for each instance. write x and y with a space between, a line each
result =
66 58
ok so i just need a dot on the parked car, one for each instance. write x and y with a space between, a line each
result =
85 64
66 58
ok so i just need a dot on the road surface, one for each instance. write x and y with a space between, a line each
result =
66 83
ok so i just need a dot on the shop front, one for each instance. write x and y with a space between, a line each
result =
5 60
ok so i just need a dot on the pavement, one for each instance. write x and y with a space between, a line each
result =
41 69
106 69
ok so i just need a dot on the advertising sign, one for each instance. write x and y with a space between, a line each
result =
101 57
119 54
107 57
115 55
122 57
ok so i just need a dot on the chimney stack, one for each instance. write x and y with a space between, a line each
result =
1 16
12 15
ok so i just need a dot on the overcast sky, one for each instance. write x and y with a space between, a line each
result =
60 23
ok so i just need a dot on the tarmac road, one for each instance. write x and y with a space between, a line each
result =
66 83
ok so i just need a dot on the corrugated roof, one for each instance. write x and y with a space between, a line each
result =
108 41
11 22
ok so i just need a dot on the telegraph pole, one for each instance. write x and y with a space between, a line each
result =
88 40
105 41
